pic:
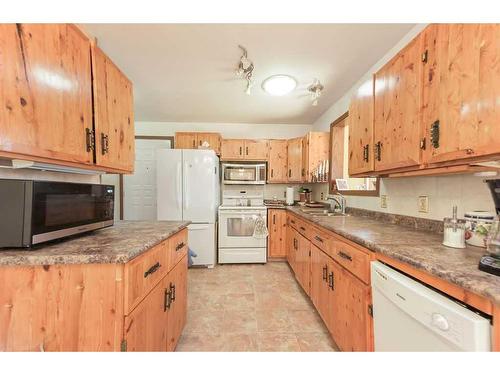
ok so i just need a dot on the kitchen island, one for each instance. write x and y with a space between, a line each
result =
118 288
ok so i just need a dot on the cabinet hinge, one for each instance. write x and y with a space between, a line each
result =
123 345
422 143
370 310
425 55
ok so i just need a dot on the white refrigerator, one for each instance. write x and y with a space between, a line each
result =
188 189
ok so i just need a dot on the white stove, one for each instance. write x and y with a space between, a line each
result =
237 217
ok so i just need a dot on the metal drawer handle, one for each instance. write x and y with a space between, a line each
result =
152 269
180 246
302 228
172 292
167 300
292 221
345 256
325 272
318 238
331 284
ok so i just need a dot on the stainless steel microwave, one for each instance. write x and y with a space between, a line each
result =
244 174
32 212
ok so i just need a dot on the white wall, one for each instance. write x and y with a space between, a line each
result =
468 192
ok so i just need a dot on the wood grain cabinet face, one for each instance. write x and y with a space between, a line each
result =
46 95
256 149
177 307
295 164
213 139
277 233
291 248
360 124
319 281
278 161
316 149
185 140
461 91
113 114
397 110
233 149
303 262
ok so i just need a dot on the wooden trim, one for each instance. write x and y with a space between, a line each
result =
150 137
456 169
339 119
495 340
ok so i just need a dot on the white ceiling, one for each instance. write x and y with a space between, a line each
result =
186 72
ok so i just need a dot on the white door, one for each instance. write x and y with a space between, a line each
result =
169 184
139 189
200 185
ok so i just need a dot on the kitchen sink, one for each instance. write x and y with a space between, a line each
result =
321 213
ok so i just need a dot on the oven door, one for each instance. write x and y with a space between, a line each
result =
61 209
236 228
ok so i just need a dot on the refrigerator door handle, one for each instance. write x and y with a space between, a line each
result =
185 184
179 185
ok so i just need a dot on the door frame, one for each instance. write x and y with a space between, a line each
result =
150 137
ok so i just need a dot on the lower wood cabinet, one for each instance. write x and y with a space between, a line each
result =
177 306
303 262
291 247
276 244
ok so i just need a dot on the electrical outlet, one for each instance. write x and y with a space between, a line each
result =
322 196
383 201
423 203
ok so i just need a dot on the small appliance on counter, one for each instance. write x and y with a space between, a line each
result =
491 262
454 231
477 226
33 212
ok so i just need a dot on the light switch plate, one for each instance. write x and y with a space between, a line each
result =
423 203
383 201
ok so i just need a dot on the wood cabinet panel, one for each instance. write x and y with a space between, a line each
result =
146 327
303 263
316 149
113 114
178 247
61 308
213 139
278 161
277 233
232 149
291 248
185 140
177 310
295 165
351 258
46 95
360 125
256 149
397 109
461 90
319 281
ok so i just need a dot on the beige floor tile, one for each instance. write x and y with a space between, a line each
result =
306 321
205 301
201 342
277 342
236 321
240 301
275 320
268 299
240 342
315 342
203 321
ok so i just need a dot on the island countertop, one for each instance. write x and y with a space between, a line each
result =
422 250
120 243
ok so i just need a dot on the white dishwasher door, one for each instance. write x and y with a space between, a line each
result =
409 316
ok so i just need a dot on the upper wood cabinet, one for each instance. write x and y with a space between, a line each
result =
278 161
360 125
193 140
113 114
277 233
316 149
397 109
46 92
295 169
461 91
244 149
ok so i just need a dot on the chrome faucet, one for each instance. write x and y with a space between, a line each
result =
340 200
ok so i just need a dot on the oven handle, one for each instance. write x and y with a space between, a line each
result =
234 212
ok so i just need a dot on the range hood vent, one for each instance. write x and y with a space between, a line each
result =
27 164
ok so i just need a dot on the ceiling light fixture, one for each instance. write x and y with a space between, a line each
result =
245 69
315 90
279 85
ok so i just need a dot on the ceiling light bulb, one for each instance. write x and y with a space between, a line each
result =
279 85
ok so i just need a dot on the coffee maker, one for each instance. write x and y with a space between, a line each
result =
491 262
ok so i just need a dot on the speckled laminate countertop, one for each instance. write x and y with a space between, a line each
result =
117 244
422 250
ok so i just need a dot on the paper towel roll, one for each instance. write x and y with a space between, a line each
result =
289 196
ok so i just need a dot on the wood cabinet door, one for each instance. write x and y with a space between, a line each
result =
461 91
213 139
278 161
319 281
316 149
177 313
303 272
46 92
256 149
333 314
295 167
277 233
360 125
185 140
291 248
113 114
232 149
397 109
145 329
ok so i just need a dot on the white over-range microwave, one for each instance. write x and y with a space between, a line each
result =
244 174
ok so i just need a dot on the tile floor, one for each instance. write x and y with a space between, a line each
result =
250 308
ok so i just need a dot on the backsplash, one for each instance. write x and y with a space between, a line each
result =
270 191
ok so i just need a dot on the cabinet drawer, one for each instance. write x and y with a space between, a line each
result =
351 258
320 238
144 272
293 221
178 247
304 228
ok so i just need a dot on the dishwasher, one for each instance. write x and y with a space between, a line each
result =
410 316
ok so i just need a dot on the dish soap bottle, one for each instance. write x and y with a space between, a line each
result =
454 231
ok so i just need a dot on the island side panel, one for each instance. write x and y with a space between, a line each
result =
61 307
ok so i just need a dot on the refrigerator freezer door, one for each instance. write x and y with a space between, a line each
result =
169 184
201 239
200 185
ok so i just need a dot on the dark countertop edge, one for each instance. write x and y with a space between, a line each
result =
75 259
377 248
